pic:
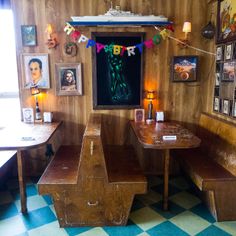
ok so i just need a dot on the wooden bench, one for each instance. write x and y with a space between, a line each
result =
93 185
5 163
212 167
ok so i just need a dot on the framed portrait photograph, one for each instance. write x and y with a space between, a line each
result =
228 72
228 51
226 11
35 70
234 109
219 53
184 68
217 81
216 104
226 106
28 115
139 115
68 79
117 80
28 35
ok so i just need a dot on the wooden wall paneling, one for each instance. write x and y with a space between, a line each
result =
179 101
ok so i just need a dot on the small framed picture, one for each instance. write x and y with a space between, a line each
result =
228 72
35 70
219 53
216 104
228 51
226 107
217 82
139 115
218 67
184 68
234 109
28 34
28 115
68 79
217 91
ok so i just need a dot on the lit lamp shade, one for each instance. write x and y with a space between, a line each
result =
150 95
34 91
187 27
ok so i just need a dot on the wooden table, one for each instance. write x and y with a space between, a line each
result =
151 136
20 137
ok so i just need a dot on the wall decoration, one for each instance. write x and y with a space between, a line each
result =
28 35
217 81
28 115
117 79
216 105
228 71
228 51
234 109
184 68
70 49
68 79
139 115
35 70
226 21
226 106
219 53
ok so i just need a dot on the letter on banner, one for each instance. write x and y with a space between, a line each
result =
68 28
149 43
82 38
117 49
130 50
156 39
99 47
75 35
109 48
90 43
164 34
140 47
123 51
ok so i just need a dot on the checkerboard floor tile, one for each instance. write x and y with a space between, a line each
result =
187 214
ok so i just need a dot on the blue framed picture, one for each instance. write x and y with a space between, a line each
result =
184 68
28 34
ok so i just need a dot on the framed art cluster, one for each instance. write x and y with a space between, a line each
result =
224 100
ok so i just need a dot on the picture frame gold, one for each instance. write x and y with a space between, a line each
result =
68 78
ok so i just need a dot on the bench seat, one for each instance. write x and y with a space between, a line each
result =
95 184
212 166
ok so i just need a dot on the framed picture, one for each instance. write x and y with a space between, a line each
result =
218 67
225 106
28 35
35 70
68 79
184 68
216 104
219 53
217 91
117 79
234 109
139 115
217 81
226 11
228 51
228 72
28 115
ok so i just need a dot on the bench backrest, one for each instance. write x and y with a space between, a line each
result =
92 162
218 140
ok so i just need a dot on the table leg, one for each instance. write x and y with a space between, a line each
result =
166 178
20 167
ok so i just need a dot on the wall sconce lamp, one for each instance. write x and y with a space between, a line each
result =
187 28
150 95
51 37
34 92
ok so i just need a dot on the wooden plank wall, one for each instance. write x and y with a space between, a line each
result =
180 101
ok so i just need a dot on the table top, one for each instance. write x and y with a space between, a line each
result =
23 136
151 135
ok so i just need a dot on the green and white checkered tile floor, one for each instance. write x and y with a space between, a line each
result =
187 214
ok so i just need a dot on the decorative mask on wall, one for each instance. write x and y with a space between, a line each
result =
208 31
